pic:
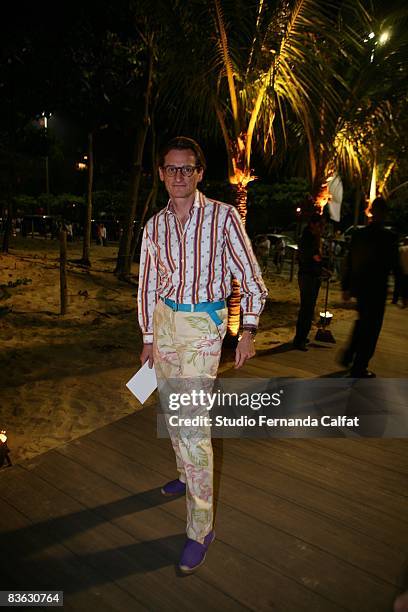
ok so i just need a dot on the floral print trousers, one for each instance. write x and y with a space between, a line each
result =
186 352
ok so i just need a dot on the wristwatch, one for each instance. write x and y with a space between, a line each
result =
251 330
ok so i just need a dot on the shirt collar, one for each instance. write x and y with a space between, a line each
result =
199 202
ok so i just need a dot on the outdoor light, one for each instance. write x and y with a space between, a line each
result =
384 36
371 35
323 334
326 317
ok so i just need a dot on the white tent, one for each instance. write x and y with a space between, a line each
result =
336 190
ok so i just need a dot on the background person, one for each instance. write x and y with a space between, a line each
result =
262 249
99 240
373 254
309 278
279 254
103 234
401 276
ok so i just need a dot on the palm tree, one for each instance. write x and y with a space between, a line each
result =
360 141
257 62
125 253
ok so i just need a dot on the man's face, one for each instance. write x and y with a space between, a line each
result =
179 186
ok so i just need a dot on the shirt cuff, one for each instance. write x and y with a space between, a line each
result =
250 320
148 338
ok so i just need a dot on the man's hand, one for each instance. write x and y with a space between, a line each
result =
147 355
245 349
346 296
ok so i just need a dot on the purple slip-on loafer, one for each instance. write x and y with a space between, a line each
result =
173 488
193 555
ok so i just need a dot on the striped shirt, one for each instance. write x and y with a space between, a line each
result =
195 263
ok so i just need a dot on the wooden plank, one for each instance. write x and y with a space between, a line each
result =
37 561
318 530
267 367
393 446
334 456
228 563
348 586
370 521
389 359
136 566
316 361
277 545
350 487
373 455
353 489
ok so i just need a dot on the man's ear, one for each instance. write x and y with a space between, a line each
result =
161 174
200 176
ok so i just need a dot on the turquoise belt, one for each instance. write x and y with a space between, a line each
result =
210 307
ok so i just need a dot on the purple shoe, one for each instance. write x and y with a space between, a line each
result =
173 488
193 554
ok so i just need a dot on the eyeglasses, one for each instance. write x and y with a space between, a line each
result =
185 170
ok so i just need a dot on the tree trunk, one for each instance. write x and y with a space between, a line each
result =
241 200
151 198
8 227
86 250
123 265
63 272
6 235
148 207
124 260
240 192
12 179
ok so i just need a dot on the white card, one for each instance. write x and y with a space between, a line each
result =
143 383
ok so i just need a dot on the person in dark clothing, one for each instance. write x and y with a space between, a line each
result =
372 256
309 278
401 277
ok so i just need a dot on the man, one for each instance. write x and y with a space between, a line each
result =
279 256
190 249
309 278
262 249
401 278
373 254
103 235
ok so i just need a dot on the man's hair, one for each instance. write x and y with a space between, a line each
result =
182 143
379 207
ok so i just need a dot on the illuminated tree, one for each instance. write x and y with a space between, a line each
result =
361 139
255 63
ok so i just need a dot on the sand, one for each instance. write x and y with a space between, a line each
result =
64 376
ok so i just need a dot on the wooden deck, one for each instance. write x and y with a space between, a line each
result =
302 525
390 359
